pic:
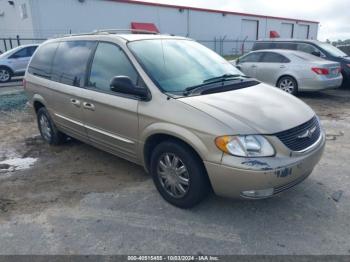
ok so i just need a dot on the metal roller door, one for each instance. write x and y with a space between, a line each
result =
303 31
287 30
249 29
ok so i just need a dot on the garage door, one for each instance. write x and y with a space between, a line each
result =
303 31
287 30
249 29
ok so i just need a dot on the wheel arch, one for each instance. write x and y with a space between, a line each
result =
152 139
38 102
7 67
287 75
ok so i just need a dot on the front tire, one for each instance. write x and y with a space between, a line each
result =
47 128
5 75
179 174
288 84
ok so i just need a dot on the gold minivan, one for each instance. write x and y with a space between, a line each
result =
190 118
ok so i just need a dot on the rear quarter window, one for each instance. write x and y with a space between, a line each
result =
41 63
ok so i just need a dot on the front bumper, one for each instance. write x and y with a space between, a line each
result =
263 173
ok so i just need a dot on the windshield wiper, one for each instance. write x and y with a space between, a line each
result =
222 78
225 77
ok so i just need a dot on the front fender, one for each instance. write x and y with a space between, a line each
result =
191 138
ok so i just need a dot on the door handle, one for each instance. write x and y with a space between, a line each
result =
282 66
75 102
89 106
253 66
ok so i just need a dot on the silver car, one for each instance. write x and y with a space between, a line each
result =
15 61
291 71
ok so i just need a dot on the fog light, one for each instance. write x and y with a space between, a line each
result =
258 193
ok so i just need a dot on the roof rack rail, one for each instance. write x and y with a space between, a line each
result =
114 31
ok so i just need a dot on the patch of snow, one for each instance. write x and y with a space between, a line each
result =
18 163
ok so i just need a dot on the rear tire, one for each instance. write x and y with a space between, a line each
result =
179 174
47 128
288 84
346 82
5 75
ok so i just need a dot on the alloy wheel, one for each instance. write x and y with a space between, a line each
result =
173 175
45 127
4 75
287 85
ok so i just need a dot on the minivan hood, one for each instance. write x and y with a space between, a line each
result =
262 108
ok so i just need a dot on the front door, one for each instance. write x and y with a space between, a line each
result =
111 118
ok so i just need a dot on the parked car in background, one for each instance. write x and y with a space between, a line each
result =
15 61
345 49
314 47
291 71
177 108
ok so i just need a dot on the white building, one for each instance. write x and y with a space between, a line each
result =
224 31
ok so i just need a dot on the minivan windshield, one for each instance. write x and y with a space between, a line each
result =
334 51
177 65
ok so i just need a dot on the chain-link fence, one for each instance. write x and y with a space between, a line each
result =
228 47
224 47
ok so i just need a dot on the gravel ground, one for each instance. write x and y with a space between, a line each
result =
75 199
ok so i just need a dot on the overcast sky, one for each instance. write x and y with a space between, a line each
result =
333 15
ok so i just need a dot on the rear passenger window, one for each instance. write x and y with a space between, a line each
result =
260 46
70 63
41 63
270 57
110 61
288 46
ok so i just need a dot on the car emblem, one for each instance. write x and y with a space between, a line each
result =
308 133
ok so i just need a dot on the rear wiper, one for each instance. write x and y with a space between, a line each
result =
212 80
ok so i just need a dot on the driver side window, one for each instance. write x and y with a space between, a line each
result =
308 49
251 58
20 54
110 61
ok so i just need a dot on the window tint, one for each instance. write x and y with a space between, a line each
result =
70 63
24 52
31 50
288 46
110 61
270 57
42 61
259 46
307 48
251 58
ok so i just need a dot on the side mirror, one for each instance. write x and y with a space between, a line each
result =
124 85
237 61
316 53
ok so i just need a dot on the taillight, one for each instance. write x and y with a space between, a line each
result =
24 83
320 71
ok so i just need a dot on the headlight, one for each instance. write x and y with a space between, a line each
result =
245 146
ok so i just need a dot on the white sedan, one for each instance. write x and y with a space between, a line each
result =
291 71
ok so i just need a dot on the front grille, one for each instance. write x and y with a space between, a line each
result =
301 137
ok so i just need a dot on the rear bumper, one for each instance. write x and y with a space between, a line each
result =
320 83
230 181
